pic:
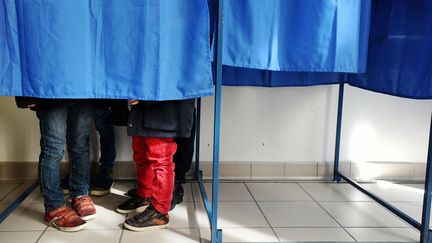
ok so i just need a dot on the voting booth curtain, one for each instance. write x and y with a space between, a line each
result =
379 45
147 50
160 50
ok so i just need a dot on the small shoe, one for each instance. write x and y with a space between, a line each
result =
102 184
64 219
131 193
134 204
84 207
178 194
147 220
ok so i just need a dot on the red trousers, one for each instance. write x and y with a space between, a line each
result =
155 170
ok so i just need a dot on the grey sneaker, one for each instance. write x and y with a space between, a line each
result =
147 220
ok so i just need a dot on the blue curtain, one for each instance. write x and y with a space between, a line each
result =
297 36
147 50
294 43
382 45
400 49
159 49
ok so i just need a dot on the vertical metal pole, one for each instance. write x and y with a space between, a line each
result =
197 138
425 232
336 176
216 235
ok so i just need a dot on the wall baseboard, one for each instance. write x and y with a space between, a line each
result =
364 172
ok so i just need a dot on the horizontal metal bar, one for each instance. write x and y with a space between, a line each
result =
204 196
385 204
17 201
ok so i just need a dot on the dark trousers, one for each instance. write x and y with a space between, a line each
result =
183 156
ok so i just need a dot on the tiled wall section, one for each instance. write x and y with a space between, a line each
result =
256 170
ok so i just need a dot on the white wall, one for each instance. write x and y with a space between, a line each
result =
283 124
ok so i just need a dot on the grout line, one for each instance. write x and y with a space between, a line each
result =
265 217
16 187
121 235
327 212
40 236
195 208
125 217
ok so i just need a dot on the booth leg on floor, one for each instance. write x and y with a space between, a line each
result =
336 176
424 225
425 232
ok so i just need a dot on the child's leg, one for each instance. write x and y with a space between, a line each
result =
144 170
159 153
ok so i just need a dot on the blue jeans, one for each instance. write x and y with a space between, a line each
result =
64 124
106 138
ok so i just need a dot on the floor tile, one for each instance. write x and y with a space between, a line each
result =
296 214
231 192
362 214
34 197
25 217
107 218
278 192
163 236
396 193
384 234
183 216
6 188
243 235
201 215
117 194
3 206
14 182
234 214
123 186
313 234
20 237
413 209
415 186
334 192
93 236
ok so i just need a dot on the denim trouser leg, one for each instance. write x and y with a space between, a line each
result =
80 122
107 138
53 123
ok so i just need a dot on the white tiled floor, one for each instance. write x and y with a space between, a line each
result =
248 212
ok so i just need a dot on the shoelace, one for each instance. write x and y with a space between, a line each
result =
146 214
